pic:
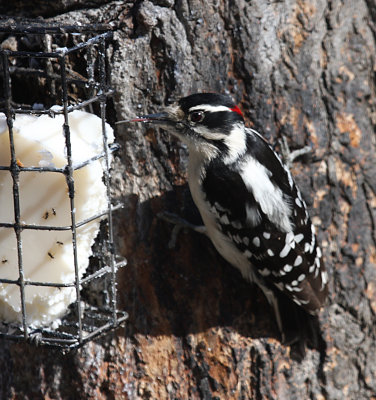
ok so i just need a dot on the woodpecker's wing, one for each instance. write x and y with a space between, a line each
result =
263 214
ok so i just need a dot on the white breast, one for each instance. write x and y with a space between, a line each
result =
222 243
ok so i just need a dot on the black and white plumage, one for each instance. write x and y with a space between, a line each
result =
253 211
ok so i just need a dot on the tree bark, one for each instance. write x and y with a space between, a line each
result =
197 330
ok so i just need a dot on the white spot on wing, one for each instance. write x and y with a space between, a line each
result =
266 235
301 277
256 241
285 251
287 268
288 287
290 239
298 261
270 252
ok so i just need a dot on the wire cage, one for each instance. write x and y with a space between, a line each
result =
55 70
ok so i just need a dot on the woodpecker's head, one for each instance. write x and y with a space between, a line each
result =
207 123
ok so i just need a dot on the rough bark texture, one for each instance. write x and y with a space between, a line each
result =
302 69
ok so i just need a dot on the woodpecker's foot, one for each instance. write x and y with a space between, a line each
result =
179 224
290 156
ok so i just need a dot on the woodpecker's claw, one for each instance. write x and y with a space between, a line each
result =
290 156
179 223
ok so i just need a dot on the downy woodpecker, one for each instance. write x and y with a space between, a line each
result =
253 212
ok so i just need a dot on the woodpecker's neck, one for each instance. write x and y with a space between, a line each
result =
202 153
229 146
197 162
236 143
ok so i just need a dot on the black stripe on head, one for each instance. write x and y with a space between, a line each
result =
213 99
223 120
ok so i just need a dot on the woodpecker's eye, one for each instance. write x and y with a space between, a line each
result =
196 116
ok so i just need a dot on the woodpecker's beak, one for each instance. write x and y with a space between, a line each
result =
167 119
162 117
156 118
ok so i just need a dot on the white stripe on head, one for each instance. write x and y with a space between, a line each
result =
210 108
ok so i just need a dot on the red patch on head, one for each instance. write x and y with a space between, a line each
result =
237 110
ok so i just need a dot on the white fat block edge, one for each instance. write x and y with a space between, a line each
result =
44 200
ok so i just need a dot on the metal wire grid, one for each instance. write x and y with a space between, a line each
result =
92 321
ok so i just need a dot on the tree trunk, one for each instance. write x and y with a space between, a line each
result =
196 329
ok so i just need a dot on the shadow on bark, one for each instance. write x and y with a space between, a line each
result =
189 288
